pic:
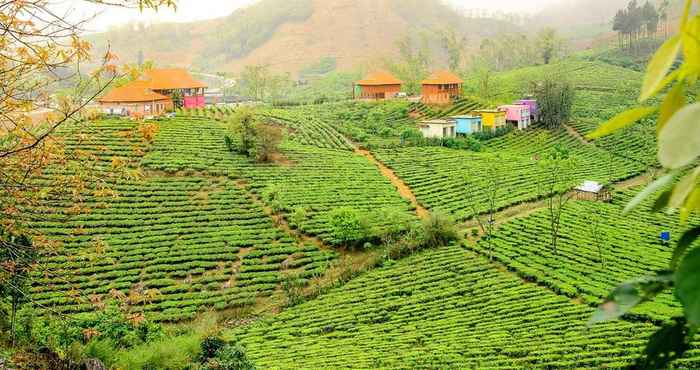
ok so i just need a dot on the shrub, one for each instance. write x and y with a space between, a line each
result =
348 226
210 346
439 230
172 353
230 357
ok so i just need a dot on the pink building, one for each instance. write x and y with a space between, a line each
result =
516 114
532 104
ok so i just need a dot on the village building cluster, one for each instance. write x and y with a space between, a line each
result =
155 93
441 88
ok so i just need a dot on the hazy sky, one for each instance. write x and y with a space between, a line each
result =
190 10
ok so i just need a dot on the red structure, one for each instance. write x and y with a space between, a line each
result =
167 81
135 99
154 94
441 87
378 86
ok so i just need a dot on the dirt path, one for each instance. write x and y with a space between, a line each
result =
525 209
280 222
403 189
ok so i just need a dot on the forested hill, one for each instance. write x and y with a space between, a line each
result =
291 35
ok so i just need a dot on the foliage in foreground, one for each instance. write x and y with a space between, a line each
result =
678 131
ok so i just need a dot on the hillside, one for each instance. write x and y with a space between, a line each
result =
292 35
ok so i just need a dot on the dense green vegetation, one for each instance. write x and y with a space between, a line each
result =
460 182
599 249
602 91
339 177
447 308
179 244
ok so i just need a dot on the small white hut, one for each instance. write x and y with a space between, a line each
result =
591 190
438 128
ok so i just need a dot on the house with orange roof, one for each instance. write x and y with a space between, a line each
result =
377 86
169 81
154 94
441 87
135 99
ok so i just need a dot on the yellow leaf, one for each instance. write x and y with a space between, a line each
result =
683 189
679 140
691 204
620 121
659 66
674 101
691 43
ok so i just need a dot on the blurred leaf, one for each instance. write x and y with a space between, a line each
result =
683 189
662 201
655 186
688 286
630 294
674 101
691 43
620 121
665 346
686 241
679 140
659 66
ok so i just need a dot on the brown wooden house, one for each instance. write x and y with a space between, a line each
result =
378 86
441 87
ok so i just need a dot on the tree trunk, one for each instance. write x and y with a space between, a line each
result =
15 304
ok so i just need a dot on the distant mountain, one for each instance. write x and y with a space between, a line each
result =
294 35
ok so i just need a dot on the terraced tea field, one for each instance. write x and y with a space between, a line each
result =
310 181
602 91
446 308
598 250
454 180
198 242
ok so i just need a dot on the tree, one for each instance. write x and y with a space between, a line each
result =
555 181
554 98
348 225
243 126
491 188
650 18
267 141
453 45
17 258
678 188
549 44
415 61
253 139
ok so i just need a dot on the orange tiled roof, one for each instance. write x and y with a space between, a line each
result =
442 78
379 78
134 91
172 78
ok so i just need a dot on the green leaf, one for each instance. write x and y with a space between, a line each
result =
686 240
659 66
665 346
662 201
655 186
621 120
688 286
674 101
630 294
679 140
683 189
